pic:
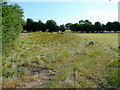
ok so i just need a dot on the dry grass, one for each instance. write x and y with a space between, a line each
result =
78 65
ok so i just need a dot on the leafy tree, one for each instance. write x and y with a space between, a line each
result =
29 25
41 26
51 25
33 26
72 27
68 26
86 26
11 21
87 22
75 27
81 28
62 28
103 28
115 26
81 22
98 27
109 26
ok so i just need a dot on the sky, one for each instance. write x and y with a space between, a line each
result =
71 12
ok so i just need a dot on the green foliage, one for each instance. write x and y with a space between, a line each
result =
62 28
68 25
51 26
87 22
109 26
32 26
98 26
11 22
116 26
75 27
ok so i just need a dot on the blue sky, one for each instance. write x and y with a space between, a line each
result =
64 12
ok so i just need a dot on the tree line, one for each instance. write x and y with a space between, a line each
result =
13 24
84 26
49 26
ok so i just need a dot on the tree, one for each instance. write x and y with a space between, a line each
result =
11 21
29 25
51 25
103 28
81 22
109 26
62 28
33 26
41 26
87 22
115 26
98 27
75 27
68 26
86 26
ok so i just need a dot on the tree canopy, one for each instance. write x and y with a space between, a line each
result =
84 26
12 22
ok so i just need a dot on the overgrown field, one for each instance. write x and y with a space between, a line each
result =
61 61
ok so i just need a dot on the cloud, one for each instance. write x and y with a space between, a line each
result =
95 12
103 16
104 19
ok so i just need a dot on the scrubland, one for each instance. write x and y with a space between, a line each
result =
45 60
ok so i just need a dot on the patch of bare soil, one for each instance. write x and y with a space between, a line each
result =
39 77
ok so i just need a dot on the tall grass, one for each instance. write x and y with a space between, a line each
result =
77 65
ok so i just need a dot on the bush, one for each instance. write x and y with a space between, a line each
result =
11 22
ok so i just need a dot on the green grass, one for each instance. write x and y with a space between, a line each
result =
77 65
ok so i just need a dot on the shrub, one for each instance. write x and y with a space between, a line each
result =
11 21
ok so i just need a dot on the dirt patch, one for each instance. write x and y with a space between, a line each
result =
39 77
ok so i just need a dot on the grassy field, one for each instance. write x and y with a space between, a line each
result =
47 60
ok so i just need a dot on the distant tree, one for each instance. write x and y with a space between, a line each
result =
87 22
109 26
115 26
75 27
12 22
86 26
51 25
93 29
35 26
103 28
81 22
41 26
62 28
68 26
72 27
97 27
89 28
29 25
82 28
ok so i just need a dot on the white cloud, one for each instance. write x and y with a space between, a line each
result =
105 19
95 12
